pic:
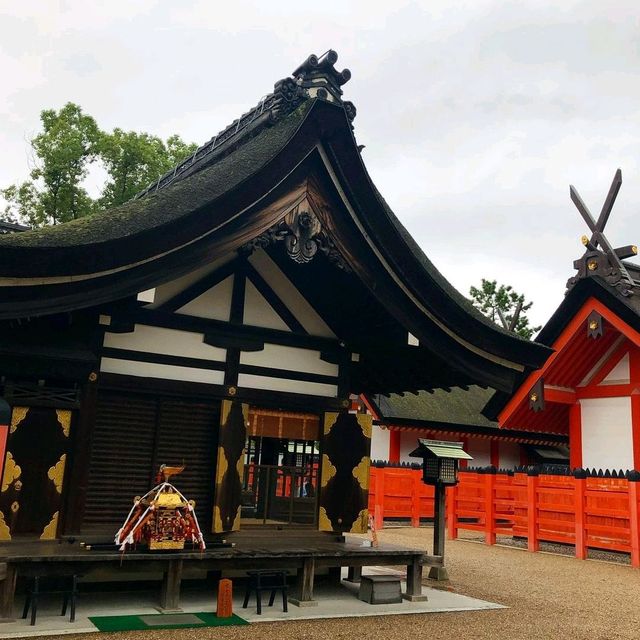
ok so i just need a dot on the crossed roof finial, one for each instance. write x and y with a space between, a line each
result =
600 257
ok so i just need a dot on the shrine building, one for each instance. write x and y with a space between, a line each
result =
225 318
589 387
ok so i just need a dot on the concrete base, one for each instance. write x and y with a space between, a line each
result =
438 573
302 603
161 610
414 598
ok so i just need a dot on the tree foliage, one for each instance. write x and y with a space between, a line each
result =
499 302
69 143
134 160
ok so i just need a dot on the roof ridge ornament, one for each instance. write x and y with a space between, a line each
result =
319 77
600 258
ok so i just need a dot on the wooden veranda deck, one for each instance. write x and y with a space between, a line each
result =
304 552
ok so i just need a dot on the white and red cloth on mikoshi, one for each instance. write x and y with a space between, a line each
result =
140 526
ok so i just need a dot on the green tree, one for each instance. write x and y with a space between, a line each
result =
134 160
63 151
504 306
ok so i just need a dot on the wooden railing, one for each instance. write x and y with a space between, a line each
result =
582 509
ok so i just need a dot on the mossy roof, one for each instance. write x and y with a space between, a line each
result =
455 407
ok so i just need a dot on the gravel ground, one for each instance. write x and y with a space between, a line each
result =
550 597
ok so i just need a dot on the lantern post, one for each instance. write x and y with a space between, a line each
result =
439 468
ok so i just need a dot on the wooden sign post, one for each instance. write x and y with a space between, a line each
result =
225 598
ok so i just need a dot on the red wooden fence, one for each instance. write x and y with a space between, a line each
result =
594 512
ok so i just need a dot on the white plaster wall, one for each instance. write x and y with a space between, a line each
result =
214 304
379 443
607 441
170 342
258 312
291 386
480 451
620 373
163 371
509 454
289 358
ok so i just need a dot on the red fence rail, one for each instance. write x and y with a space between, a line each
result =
587 512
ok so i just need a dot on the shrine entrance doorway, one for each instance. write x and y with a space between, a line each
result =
281 472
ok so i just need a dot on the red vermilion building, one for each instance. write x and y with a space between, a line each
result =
589 388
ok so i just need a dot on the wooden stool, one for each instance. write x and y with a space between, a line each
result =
69 592
260 581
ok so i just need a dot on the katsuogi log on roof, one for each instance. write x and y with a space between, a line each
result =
286 178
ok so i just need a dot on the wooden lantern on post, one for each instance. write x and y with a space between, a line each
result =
440 461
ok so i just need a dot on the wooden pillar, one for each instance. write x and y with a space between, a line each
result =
378 509
354 574
465 445
304 585
395 438
416 487
452 520
414 581
580 481
8 586
77 479
490 508
494 449
575 436
170 595
440 516
634 518
532 511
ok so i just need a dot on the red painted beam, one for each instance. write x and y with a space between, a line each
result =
561 396
605 391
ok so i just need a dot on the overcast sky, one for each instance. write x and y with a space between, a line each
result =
476 115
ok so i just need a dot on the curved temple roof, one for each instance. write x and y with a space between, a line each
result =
226 195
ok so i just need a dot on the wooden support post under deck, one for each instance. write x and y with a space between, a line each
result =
8 594
170 595
354 574
335 575
304 585
414 582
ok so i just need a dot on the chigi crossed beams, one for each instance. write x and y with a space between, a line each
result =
600 257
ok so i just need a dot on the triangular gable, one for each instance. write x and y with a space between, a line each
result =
619 373
566 341
214 304
258 312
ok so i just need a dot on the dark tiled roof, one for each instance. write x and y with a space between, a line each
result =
169 204
456 407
